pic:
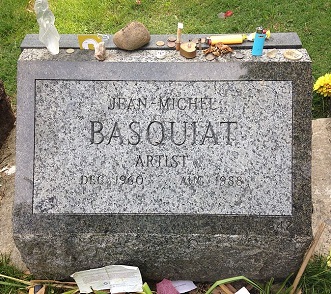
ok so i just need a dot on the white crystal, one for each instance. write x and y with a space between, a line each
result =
48 33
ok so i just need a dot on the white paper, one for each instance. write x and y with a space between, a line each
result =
124 278
243 290
116 278
183 286
96 279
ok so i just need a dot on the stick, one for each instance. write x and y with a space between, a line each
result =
231 288
225 289
307 257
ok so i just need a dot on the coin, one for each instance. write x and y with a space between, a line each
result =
272 53
292 54
239 55
171 44
159 43
70 50
172 39
210 56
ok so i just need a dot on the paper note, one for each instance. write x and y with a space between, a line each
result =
243 290
183 286
124 278
94 279
116 278
166 287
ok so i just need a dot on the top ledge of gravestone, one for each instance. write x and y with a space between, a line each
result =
150 56
277 40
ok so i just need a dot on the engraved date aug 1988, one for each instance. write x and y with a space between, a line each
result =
218 180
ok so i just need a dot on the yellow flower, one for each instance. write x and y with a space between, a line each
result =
323 85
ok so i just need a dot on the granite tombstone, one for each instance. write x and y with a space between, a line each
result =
188 169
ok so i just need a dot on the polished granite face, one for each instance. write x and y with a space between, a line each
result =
202 147
173 165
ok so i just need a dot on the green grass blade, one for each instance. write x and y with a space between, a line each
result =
16 280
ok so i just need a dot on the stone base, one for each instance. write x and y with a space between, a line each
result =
202 258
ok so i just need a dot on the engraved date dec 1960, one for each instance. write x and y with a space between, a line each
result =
117 180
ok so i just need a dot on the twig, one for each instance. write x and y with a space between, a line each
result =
52 282
231 288
16 280
225 289
307 257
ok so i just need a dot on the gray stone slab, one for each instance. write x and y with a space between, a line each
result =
277 40
188 169
209 142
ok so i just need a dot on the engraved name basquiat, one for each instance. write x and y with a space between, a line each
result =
160 133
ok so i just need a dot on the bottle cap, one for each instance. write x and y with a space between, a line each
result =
259 30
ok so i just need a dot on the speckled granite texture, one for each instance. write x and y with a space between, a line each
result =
189 169
163 147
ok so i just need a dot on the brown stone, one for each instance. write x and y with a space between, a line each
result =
7 117
321 181
133 36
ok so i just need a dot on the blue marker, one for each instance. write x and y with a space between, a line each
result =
260 36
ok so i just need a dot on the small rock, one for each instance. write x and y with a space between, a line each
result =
133 36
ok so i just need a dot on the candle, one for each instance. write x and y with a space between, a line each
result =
179 34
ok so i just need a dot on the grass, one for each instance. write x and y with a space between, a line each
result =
317 277
9 286
310 19
15 22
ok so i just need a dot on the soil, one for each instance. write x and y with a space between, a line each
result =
7 191
321 189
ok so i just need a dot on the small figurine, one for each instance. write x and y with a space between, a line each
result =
100 51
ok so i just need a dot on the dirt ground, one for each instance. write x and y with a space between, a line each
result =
321 189
7 191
